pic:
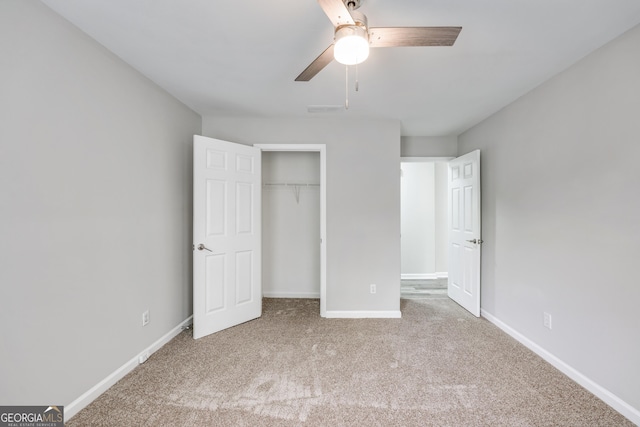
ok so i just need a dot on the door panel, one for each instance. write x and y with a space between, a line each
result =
244 278
216 199
215 272
464 231
244 220
227 287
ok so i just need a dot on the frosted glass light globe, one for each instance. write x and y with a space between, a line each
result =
351 45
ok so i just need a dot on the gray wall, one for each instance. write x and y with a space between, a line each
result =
363 200
429 146
290 225
95 206
561 215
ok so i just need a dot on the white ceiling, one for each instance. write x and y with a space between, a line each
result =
240 58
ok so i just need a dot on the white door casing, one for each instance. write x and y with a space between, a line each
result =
227 262
464 231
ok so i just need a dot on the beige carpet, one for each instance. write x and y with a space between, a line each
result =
437 366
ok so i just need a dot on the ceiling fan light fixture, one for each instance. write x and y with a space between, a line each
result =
352 39
351 44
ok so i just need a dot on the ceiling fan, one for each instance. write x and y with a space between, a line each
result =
353 37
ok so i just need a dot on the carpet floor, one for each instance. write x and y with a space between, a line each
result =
437 366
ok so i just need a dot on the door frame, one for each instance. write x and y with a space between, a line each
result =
322 149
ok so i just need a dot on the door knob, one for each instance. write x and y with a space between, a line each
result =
478 241
203 247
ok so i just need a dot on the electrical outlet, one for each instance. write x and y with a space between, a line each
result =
372 288
145 318
547 320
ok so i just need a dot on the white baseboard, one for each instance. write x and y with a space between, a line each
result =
81 402
311 295
425 276
391 314
633 414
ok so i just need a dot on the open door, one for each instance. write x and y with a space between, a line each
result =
227 262
464 231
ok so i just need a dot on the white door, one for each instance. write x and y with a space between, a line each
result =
227 287
464 231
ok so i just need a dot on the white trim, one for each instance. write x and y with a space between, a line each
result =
322 149
424 159
390 314
425 276
311 295
605 395
81 402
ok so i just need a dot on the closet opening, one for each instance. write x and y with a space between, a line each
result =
293 222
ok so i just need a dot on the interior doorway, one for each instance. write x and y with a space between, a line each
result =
294 221
424 231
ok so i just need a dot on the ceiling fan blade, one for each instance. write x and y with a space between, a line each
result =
317 65
413 36
337 12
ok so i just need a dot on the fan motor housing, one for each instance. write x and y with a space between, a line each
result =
352 4
360 19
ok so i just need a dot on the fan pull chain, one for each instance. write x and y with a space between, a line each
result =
356 77
351 4
346 87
